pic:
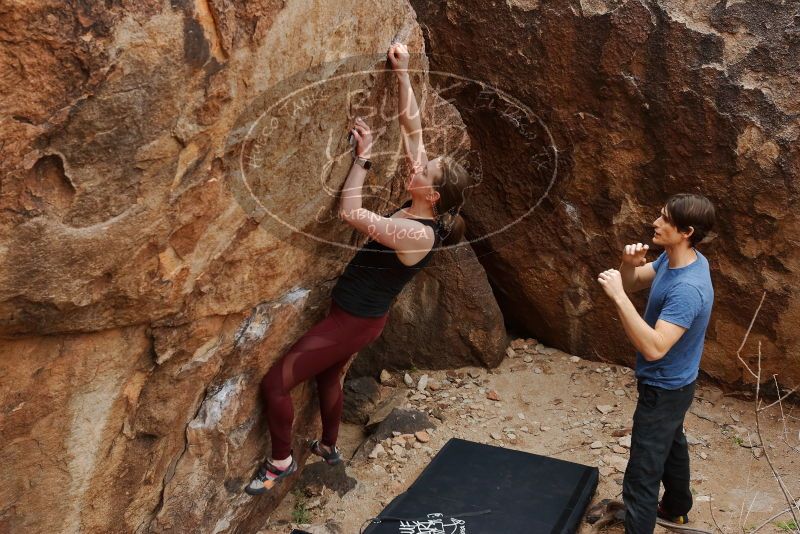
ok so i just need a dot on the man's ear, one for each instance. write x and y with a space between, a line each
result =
689 233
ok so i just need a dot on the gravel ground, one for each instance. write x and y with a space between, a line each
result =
544 401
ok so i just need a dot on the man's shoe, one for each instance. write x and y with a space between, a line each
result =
677 519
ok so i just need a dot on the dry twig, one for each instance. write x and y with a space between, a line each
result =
714 519
757 410
768 521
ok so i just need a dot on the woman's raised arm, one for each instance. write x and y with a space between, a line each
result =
402 235
408 110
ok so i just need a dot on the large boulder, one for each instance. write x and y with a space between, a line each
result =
168 177
447 317
588 115
147 428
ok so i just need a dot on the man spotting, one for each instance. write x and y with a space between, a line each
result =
669 343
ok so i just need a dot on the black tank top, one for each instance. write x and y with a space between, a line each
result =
375 276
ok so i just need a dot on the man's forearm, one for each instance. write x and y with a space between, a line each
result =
628 274
642 336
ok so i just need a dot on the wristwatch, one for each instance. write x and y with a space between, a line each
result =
364 162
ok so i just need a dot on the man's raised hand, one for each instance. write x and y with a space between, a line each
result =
635 254
611 282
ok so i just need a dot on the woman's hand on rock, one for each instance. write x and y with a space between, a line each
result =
398 57
363 136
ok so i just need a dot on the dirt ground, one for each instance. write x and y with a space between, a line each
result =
555 404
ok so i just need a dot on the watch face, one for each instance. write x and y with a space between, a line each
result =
367 164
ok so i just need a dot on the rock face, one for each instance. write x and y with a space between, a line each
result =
169 414
609 107
168 190
168 176
445 318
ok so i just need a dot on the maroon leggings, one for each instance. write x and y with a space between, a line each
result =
323 353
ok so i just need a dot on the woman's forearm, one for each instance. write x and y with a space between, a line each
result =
410 120
351 192
407 105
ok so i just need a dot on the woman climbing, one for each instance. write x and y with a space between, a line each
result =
400 245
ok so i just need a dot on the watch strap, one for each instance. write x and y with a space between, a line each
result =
363 162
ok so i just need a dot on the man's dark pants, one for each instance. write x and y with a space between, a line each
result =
659 453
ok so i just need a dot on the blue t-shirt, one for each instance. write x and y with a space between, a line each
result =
683 297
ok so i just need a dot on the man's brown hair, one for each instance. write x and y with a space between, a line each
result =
687 210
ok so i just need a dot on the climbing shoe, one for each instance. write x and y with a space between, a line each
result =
331 458
268 476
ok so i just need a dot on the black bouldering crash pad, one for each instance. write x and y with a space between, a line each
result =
472 488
